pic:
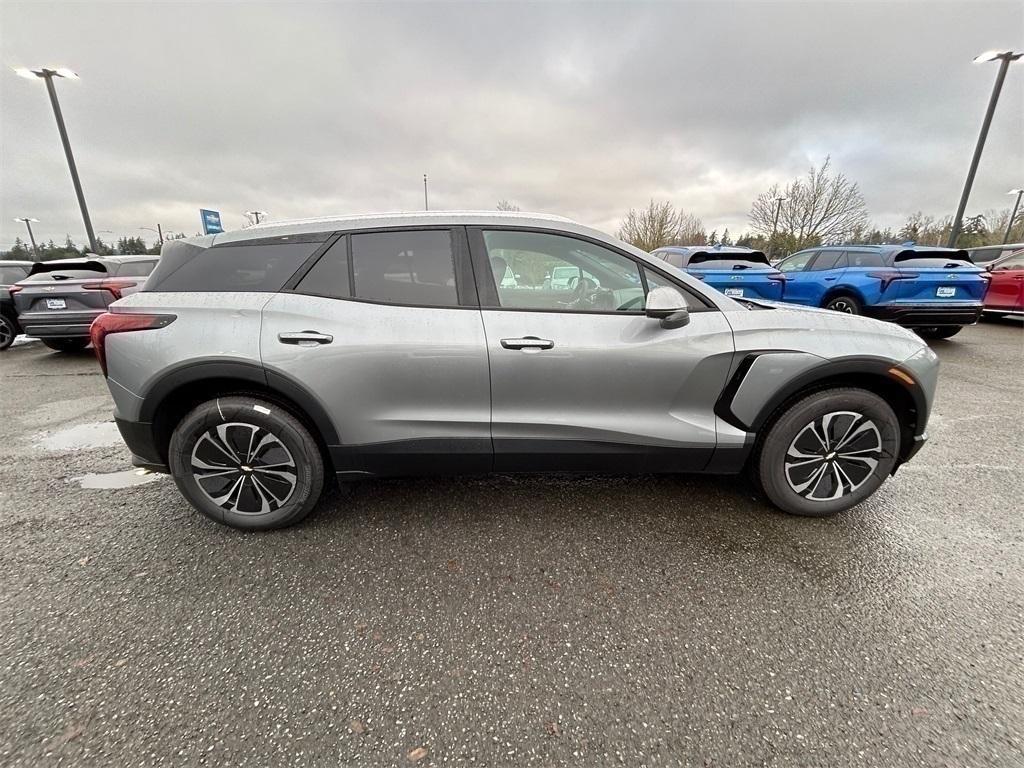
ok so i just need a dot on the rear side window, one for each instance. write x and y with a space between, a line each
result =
829 260
135 268
261 267
416 268
10 275
858 259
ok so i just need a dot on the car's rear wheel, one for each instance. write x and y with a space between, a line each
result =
828 452
844 303
66 345
247 463
941 332
8 330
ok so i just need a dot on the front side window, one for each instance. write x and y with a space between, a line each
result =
416 268
536 270
796 262
828 260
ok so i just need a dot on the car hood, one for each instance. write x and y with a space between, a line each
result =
822 332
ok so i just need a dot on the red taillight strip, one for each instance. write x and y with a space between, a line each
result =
113 285
889 277
120 322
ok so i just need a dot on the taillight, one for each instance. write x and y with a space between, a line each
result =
111 284
889 277
119 322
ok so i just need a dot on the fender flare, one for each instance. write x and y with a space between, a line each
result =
199 370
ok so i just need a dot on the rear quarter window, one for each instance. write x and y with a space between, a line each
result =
860 259
9 275
263 267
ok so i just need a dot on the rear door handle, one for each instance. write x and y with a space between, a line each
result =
527 342
305 338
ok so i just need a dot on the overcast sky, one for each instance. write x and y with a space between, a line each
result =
579 109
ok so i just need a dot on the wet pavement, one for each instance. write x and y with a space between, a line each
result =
514 620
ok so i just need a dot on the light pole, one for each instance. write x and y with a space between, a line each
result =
35 248
426 207
1013 215
775 225
159 233
48 74
1004 58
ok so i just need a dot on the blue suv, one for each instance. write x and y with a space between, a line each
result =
735 271
935 291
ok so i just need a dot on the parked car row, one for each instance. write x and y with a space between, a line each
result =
935 291
57 301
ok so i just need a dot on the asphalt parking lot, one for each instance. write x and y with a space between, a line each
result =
514 620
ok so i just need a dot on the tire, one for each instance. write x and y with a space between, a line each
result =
942 332
66 345
8 330
777 461
845 303
289 483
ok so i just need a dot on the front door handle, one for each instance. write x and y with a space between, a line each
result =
305 338
527 342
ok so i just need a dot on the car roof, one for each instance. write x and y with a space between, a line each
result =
15 263
385 220
707 249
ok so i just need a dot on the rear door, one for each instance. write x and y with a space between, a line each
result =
582 379
932 277
384 329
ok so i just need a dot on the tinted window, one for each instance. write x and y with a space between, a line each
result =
828 260
933 260
719 260
405 268
67 274
855 258
330 275
10 275
534 270
796 262
135 268
264 267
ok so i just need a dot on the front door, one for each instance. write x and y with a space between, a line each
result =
581 378
801 284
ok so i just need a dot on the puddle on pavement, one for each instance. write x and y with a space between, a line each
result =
82 436
126 478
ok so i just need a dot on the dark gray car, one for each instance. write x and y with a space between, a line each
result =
59 299
11 271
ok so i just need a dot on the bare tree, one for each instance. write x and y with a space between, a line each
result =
660 224
507 205
822 207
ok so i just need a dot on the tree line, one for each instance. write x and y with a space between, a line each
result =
823 207
49 250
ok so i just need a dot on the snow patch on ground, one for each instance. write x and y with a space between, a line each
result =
82 437
126 478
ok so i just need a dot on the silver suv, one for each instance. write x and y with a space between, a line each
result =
253 364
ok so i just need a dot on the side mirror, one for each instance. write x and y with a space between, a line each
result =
668 305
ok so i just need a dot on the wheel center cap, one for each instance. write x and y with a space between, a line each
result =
830 456
245 468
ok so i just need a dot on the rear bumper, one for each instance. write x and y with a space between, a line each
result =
141 441
58 325
926 315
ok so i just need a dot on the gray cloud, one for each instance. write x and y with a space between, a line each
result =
579 109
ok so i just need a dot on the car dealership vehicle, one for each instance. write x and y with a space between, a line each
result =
935 291
254 363
736 272
1006 292
59 299
11 271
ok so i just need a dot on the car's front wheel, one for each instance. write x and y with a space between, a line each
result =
247 463
8 330
828 452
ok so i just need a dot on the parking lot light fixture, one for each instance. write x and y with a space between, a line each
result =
1004 58
1013 213
47 74
35 249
